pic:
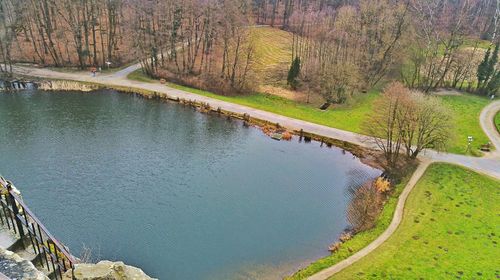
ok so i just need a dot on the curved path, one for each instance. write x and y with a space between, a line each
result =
396 220
487 123
493 158
490 164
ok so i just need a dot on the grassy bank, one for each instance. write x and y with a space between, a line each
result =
138 75
346 117
465 107
449 230
360 240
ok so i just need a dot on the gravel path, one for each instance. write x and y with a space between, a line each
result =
396 220
488 165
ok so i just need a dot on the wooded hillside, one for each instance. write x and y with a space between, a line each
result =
339 46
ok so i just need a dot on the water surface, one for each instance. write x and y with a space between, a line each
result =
181 194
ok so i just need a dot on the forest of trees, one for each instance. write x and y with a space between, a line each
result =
63 32
202 43
339 48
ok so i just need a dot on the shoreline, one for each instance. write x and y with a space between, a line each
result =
366 155
200 107
64 85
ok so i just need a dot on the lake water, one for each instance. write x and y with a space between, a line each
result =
180 194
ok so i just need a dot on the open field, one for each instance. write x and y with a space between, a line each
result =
449 230
466 108
273 54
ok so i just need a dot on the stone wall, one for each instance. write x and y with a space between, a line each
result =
66 85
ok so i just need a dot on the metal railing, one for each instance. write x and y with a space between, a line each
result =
51 254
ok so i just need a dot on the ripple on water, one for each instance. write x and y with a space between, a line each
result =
163 187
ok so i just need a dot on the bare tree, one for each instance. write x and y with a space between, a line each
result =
383 23
406 122
463 68
439 30
358 40
386 125
427 125
337 84
205 44
364 207
7 34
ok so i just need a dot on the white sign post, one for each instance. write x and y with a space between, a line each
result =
469 142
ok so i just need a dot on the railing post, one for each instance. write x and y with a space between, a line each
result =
15 210
13 207
5 211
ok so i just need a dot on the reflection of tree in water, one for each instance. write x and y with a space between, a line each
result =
364 200
16 118
355 179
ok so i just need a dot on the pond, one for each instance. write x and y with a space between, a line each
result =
178 193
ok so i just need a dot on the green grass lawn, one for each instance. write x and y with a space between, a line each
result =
450 229
273 47
466 109
138 75
482 44
272 54
346 117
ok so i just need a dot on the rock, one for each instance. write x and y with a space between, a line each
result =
107 270
15 267
61 85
